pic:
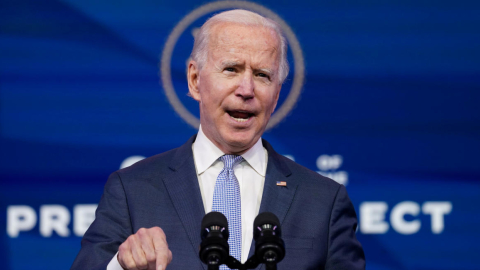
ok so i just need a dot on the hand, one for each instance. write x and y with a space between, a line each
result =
147 249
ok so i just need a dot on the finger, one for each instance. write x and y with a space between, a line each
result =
125 257
170 256
158 238
146 242
137 253
157 233
163 254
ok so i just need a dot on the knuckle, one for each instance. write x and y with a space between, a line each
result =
158 230
150 257
123 247
159 236
131 239
142 231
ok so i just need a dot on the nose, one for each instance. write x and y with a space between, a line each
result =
246 88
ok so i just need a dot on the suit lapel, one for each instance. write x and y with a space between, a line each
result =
276 199
183 188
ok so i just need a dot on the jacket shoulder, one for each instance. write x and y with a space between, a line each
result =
309 177
158 165
300 174
156 162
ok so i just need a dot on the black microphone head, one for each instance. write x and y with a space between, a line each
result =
214 249
215 219
266 218
269 246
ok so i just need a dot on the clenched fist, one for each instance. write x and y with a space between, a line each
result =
146 249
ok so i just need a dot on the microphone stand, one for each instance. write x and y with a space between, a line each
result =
269 266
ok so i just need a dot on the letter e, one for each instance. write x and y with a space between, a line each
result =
372 217
84 215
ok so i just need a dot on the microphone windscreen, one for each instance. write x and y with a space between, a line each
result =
266 218
214 219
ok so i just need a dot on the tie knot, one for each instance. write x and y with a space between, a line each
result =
230 160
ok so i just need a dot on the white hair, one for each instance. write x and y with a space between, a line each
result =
200 47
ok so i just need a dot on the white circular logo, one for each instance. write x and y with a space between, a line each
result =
165 62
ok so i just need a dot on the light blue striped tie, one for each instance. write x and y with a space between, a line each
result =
227 200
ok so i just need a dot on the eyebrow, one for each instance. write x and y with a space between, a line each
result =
266 70
230 63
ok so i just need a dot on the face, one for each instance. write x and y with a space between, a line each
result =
238 86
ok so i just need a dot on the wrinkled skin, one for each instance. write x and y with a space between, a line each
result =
238 86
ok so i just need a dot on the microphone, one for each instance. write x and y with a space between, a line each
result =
269 246
214 249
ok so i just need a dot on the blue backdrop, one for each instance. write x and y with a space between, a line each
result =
389 107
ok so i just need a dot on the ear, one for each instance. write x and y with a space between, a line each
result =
277 95
193 78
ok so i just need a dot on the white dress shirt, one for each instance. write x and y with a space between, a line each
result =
250 174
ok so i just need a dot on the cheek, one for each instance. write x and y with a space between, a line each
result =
218 94
269 103
211 103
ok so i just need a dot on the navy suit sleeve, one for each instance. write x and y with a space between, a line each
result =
110 229
345 251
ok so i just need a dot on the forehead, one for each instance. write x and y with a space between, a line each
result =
233 37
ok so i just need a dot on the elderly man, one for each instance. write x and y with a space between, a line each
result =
153 209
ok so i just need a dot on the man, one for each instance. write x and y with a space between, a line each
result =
149 216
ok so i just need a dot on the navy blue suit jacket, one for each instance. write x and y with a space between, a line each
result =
318 220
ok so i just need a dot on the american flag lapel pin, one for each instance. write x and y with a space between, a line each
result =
281 183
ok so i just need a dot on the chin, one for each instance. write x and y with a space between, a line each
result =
242 140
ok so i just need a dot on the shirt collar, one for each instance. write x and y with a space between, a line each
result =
205 153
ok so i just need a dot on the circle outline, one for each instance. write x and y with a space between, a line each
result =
165 62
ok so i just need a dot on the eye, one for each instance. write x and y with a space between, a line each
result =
263 75
230 69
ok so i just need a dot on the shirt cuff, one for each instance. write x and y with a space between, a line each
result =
114 264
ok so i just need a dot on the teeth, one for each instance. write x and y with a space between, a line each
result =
239 119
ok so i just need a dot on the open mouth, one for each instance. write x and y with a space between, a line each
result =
240 116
